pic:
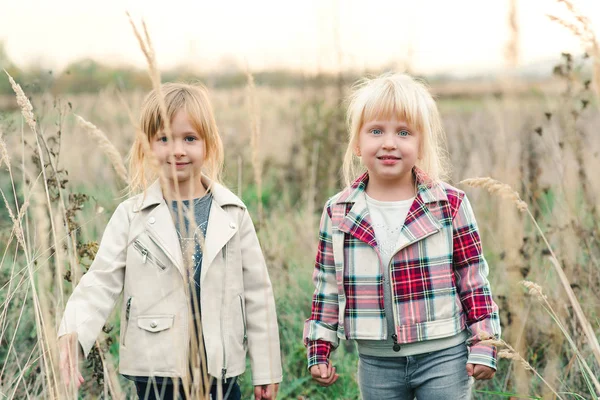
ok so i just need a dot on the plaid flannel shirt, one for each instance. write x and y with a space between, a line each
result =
438 275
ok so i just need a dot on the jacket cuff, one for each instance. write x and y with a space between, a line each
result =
318 352
483 354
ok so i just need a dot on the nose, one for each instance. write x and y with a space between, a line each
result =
178 149
389 142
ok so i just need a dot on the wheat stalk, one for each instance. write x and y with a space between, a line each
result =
536 291
502 189
23 102
106 146
255 139
498 188
510 353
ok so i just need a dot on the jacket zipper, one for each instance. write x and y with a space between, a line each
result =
127 313
245 342
396 347
147 256
224 369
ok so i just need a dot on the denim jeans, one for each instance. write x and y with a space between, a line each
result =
165 390
440 375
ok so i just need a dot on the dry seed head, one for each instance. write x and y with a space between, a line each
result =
535 290
23 102
497 188
17 227
106 146
4 157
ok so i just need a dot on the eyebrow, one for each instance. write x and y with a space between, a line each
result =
379 124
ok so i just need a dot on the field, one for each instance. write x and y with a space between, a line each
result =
283 151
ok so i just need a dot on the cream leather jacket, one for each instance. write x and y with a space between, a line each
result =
140 255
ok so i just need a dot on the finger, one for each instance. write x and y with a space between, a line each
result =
323 371
470 368
257 392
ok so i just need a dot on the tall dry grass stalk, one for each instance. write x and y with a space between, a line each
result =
512 46
582 28
106 146
503 190
497 188
537 292
257 164
508 352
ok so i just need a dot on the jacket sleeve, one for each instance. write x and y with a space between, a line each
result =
320 330
261 316
94 297
471 271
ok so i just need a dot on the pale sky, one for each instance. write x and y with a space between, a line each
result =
440 35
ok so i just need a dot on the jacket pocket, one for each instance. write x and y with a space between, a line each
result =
243 310
127 314
155 323
147 256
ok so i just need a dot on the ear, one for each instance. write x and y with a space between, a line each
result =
357 151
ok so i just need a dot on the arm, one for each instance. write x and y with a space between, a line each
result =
261 317
94 297
320 330
471 271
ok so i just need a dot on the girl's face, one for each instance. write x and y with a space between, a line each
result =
186 151
389 149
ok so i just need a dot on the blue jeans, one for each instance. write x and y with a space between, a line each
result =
440 375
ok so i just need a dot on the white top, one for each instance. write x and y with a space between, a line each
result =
387 218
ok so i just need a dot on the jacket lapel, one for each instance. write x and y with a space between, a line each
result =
221 229
161 229
221 226
419 224
357 222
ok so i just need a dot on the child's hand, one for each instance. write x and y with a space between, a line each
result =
324 374
70 357
266 392
480 372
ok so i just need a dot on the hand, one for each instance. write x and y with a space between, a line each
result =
70 356
324 374
480 372
266 392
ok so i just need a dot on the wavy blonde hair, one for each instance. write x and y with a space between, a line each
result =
177 96
406 98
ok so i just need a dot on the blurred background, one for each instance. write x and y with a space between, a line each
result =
517 83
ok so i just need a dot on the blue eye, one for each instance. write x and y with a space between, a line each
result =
403 132
190 139
162 139
376 131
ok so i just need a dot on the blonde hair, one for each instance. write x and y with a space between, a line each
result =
177 96
405 98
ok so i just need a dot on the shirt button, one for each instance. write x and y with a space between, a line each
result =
152 220
232 225
153 324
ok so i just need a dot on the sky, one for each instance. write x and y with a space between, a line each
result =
437 36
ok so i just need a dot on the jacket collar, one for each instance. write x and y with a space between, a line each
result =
427 191
420 221
221 195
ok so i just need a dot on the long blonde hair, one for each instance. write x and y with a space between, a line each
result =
403 97
177 96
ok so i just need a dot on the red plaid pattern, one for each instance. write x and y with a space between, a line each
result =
438 276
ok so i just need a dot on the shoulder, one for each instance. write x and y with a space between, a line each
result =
224 197
335 200
455 196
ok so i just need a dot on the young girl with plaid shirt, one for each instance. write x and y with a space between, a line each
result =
400 267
